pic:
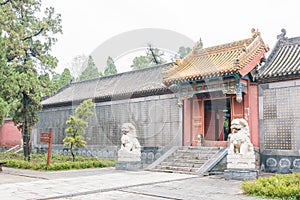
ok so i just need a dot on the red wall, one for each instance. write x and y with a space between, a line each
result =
10 134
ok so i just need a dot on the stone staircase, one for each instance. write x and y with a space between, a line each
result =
15 149
187 160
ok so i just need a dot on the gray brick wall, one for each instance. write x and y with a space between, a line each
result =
157 119
279 114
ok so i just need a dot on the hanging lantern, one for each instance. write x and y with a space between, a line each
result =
239 97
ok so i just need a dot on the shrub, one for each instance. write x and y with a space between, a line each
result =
58 162
280 186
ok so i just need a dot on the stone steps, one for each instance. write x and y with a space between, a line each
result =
196 161
191 157
172 171
186 160
182 164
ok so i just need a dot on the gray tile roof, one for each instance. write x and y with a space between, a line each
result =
120 86
284 60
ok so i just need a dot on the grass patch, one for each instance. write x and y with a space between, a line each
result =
58 162
280 186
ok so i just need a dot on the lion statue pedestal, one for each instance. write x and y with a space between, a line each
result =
241 157
129 156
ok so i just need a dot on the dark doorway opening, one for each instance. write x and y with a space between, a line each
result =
217 119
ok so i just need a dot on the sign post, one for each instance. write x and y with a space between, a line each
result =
47 137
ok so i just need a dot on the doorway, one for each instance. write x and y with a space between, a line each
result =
217 119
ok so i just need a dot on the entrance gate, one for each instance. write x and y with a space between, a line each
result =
217 119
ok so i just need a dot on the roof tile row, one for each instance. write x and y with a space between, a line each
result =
284 60
217 60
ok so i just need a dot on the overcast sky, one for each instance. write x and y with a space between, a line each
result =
88 24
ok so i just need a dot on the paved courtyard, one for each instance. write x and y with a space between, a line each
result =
109 183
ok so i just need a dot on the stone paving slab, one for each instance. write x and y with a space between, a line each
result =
109 184
44 189
207 188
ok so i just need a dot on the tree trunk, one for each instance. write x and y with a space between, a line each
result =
26 140
26 133
72 153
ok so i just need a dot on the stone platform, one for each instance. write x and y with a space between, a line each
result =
132 165
241 174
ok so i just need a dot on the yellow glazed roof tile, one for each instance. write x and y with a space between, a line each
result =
239 56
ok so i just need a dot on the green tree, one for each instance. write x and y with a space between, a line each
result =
4 107
110 67
140 62
90 71
183 51
65 77
153 57
77 125
29 36
78 64
60 80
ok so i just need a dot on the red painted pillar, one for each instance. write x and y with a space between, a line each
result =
187 129
253 113
237 109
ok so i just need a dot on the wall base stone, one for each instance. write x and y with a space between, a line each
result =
131 166
241 174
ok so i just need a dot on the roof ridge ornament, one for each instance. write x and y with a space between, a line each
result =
255 33
282 35
198 46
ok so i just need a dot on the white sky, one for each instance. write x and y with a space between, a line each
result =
87 24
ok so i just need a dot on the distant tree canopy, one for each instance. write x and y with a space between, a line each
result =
27 38
141 62
153 57
77 65
110 67
59 80
90 72
83 68
183 51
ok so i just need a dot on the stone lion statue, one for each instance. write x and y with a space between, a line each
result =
239 139
129 140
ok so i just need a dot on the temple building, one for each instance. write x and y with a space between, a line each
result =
216 85
190 102
279 107
138 97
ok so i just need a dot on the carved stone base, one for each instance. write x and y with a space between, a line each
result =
132 166
124 156
241 174
241 161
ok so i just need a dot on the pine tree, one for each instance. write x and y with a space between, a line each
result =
60 80
77 125
90 71
4 108
110 67
30 36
